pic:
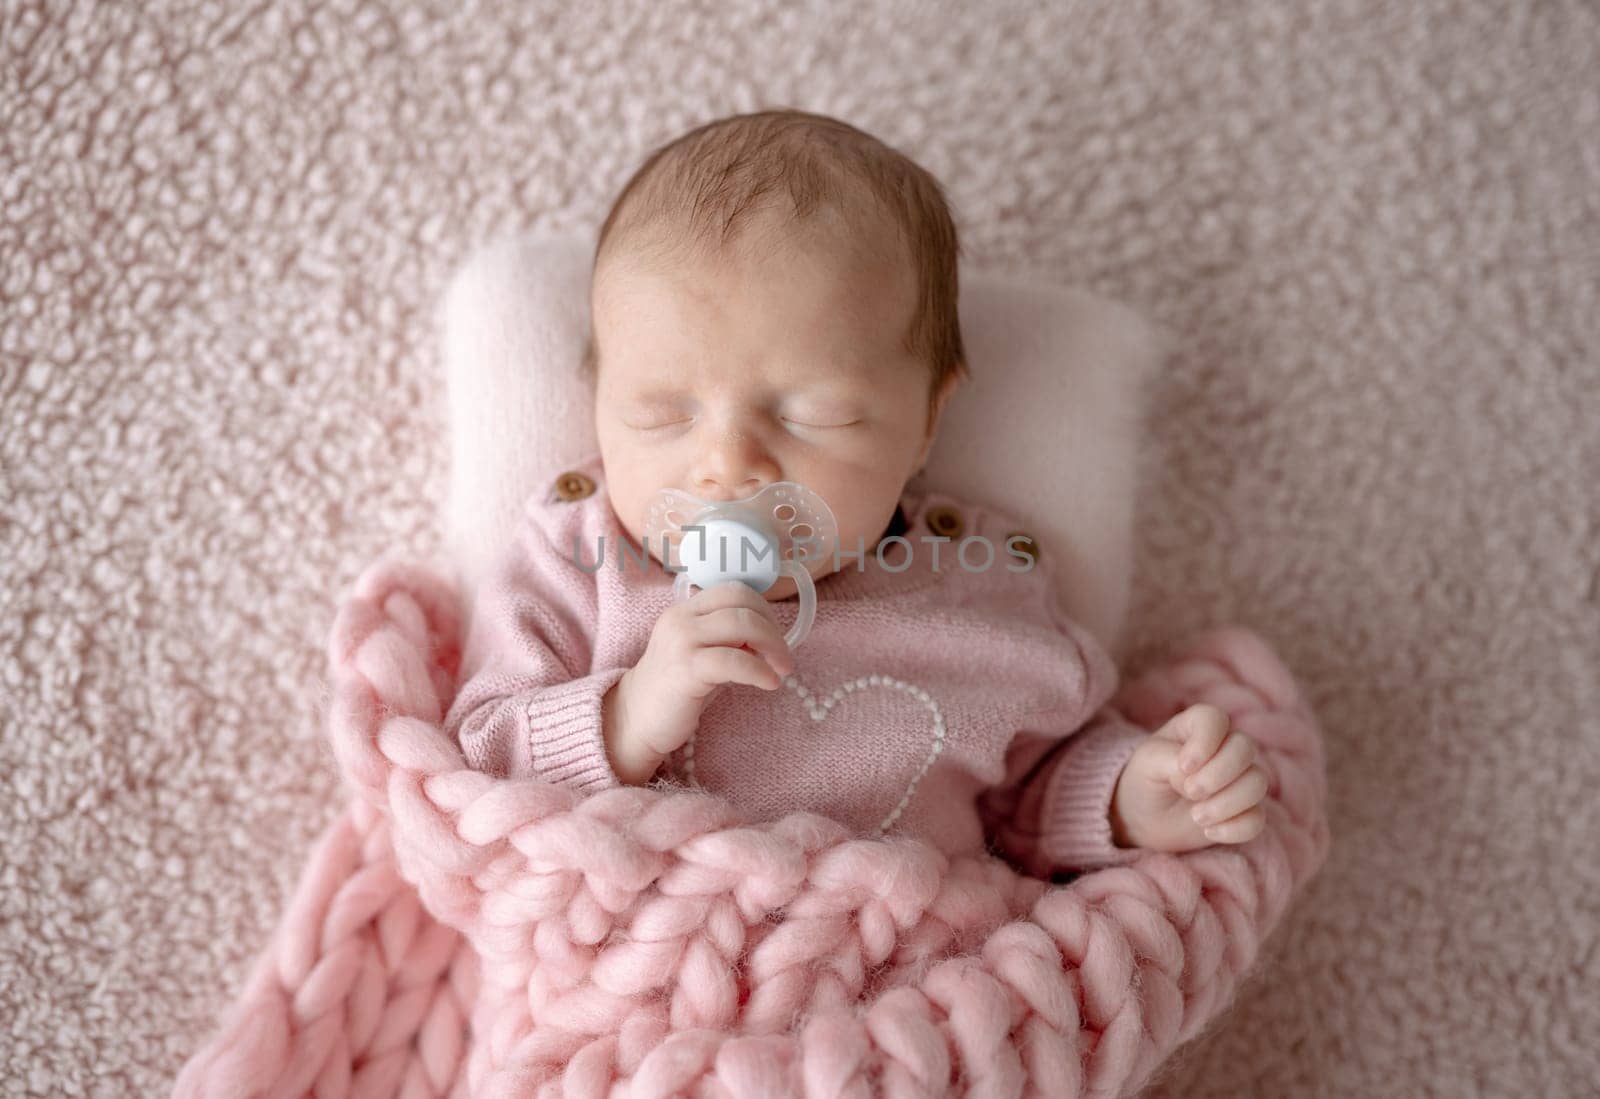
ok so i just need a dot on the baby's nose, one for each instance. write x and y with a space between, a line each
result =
719 491
732 467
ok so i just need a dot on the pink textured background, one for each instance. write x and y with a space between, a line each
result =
223 233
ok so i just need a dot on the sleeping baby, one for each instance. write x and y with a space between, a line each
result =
774 318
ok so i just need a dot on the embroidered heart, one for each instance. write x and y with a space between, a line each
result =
819 707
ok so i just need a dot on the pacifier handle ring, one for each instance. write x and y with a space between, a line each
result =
805 586
807 589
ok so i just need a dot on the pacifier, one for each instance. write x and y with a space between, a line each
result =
756 540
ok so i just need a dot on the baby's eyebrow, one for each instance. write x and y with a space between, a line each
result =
656 395
830 389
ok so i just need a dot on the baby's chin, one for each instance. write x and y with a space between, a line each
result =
783 588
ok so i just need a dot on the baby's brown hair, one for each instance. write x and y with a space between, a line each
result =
698 191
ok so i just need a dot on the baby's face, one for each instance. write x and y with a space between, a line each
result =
721 377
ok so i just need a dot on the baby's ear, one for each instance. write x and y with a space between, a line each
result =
947 389
940 398
935 408
587 362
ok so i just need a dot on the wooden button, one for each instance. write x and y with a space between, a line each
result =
944 522
1024 544
573 485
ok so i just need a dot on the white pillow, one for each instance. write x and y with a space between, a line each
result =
1044 430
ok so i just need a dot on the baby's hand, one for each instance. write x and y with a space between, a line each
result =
725 634
1194 782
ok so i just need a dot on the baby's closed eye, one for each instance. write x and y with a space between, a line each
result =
821 414
818 422
657 423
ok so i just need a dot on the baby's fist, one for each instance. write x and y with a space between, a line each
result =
1194 782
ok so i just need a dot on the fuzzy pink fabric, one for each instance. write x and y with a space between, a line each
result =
462 934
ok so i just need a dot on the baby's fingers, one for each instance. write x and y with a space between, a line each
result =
712 666
735 626
1200 729
1239 829
1238 752
1242 794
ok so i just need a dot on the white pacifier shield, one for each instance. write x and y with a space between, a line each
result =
779 531
798 519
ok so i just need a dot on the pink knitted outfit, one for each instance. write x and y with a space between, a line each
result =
932 700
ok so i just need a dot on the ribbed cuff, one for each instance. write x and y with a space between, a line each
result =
566 733
1075 820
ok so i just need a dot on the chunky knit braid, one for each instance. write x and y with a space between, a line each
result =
457 933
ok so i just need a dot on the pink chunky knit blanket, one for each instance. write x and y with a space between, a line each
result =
458 934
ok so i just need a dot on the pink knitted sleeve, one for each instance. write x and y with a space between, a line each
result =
1052 811
530 703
